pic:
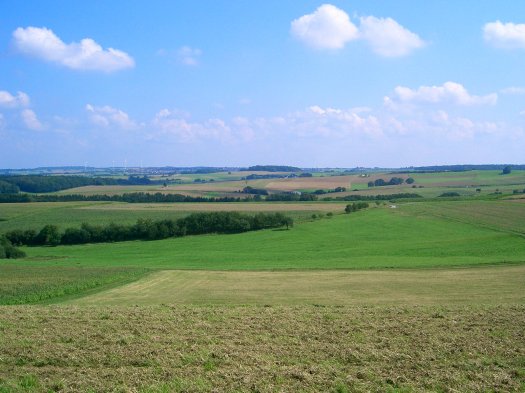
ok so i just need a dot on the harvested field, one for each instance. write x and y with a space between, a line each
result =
265 349
487 285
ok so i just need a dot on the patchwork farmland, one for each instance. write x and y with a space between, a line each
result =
409 293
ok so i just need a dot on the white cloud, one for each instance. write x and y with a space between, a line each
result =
388 38
42 43
7 100
449 92
30 120
107 116
189 56
513 90
505 35
328 27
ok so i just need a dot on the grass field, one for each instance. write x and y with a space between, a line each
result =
487 285
377 238
262 349
504 215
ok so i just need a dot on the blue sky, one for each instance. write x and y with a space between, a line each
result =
188 83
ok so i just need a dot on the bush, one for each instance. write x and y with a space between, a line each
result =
353 207
7 250
450 194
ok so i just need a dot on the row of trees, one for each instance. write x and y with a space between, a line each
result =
41 183
394 181
133 197
291 197
147 229
385 197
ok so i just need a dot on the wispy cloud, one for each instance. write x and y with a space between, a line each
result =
189 56
44 44
8 100
30 120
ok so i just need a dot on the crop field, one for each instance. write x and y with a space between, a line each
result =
21 284
486 285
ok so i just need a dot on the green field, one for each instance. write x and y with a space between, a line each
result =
341 242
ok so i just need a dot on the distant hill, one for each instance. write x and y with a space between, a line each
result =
274 168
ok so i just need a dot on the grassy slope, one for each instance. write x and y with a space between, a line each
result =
264 349
474 286
378 238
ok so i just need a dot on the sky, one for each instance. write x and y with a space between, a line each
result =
237 83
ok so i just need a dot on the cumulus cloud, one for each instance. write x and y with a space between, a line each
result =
451 92
189 56
505 35
107 116
30 120
328 27
388 38
43 44
7 100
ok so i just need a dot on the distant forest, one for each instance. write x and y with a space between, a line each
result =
40 183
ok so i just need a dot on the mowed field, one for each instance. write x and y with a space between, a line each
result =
460 286
174 348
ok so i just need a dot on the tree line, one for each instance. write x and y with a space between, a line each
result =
133 197
394 181
385 197
147 229
42 183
